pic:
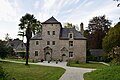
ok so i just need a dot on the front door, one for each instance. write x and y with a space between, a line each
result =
48 56
48 53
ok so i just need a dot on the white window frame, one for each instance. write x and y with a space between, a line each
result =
70 35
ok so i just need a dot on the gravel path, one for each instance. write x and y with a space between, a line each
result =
71 73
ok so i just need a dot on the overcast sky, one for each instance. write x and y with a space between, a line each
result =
73 11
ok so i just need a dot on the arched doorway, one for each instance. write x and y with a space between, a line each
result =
47 53
64 52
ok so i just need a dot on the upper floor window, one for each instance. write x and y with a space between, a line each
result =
48 32
70 43
53 43
70 54
36 53
37 42
70 35
48 42
53 32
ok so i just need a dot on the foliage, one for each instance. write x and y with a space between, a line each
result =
97 29
118 3
116 55
106 73
32 72
29 25
112 39
4 50
69 25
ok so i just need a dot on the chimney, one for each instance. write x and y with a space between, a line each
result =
81 28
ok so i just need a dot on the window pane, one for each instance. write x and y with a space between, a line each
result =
36 53
53 32
70 43
48 42
53 43
48 32
71 36
37 43
70 54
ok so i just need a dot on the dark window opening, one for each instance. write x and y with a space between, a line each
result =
70 54
48 42
37 43
48 32
53 43
70 43
36 53
53 32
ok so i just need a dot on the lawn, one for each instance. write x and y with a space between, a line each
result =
107 73
87 65
32 72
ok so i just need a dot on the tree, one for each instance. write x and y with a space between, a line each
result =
69 25
29 25
97 28
112 39
118 5
4 50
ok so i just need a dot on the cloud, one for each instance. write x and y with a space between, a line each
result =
8 10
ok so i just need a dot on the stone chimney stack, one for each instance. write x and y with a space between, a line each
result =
81 28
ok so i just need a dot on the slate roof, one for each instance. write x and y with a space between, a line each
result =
37 37
76 34
97 52
16 44
64 33
51 20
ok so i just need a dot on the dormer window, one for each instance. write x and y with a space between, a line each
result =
70 35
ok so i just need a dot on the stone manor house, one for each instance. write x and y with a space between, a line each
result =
58 43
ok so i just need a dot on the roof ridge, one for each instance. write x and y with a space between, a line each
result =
51 20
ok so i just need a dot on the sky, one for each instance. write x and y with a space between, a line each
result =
72 11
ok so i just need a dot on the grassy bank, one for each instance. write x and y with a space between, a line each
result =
108 73
87 65
32 72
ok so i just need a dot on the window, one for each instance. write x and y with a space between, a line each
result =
71 54
37 42
70 43
70 35
36 53
48 42
53 43
53 32
48 32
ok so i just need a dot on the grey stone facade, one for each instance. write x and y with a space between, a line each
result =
57 43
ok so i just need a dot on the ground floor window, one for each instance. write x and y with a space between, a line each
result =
71 54
36 53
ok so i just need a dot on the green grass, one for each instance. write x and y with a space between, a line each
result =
107 73
32 72
87 65
22 60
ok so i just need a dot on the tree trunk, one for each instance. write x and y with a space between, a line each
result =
27 51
